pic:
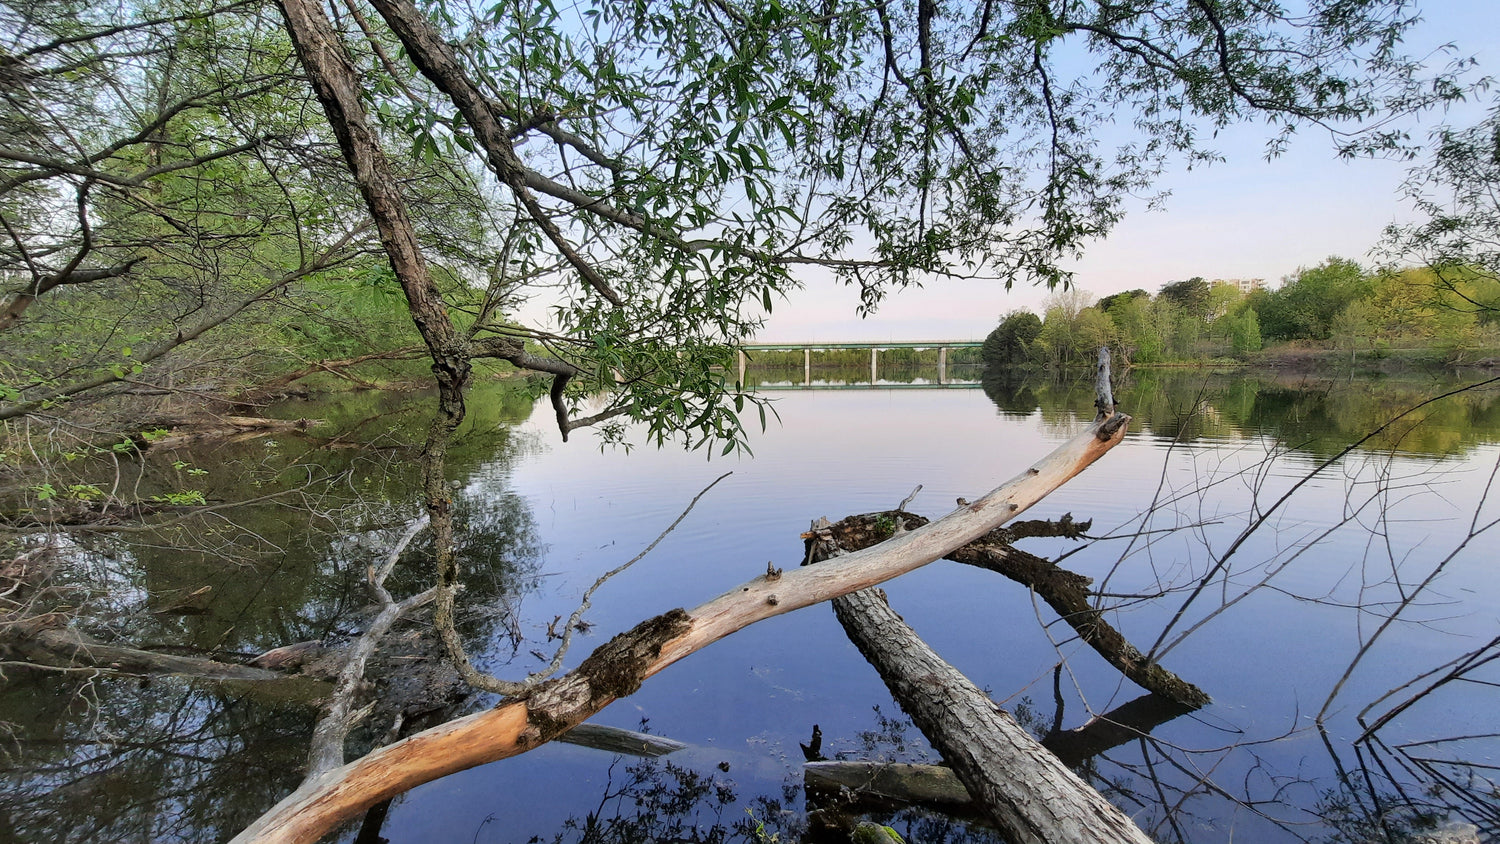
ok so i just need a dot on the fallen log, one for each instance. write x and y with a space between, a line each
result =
1027 791
898 782
68 648
890 785
185 431
1066 592
618 667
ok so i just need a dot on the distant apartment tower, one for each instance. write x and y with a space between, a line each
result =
1244 285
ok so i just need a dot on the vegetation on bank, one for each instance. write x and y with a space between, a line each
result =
1448 315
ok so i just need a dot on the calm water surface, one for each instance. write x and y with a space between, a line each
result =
1288 626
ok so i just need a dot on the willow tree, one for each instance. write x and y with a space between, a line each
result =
669 169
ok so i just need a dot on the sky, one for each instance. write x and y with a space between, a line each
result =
1245 217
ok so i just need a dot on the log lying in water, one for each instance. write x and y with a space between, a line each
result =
886 785
1027 791
618 667
67 648
1064 591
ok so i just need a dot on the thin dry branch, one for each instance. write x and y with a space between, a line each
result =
340 716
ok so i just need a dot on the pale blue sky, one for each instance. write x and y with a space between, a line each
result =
1242 218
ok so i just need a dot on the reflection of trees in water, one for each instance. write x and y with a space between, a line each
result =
123 759
95 758
657 800
1314 415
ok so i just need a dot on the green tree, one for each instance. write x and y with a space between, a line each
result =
1306 303
1136 329
1008 347
1244 331
1191 298
1351 326
1456 191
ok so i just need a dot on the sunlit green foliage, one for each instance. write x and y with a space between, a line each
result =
1453 313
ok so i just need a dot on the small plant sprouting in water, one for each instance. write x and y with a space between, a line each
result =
885 525
758 834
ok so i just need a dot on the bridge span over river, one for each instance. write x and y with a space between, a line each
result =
749 349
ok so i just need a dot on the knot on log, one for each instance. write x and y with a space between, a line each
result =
615 669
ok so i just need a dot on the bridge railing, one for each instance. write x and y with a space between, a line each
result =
875 349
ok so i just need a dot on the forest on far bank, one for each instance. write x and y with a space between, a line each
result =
1445 315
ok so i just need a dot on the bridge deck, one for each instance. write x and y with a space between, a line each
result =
890 344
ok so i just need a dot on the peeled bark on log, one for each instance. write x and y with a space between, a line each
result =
618 667
1027 791
1066 592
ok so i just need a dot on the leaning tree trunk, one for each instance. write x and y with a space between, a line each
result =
1028 792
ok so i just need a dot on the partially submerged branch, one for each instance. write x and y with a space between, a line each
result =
619 667
340 716
1027 791
1064 591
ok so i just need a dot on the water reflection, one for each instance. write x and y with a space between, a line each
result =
94 757
100 758
1315 415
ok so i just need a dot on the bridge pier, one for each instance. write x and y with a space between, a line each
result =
943 365
874 362
807 367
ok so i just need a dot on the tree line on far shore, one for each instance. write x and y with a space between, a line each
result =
1452 314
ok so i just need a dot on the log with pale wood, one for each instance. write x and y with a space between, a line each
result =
618 667
1026 790
1066 592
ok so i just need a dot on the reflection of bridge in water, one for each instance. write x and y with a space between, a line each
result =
875 349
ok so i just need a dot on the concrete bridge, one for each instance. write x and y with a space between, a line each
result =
875 349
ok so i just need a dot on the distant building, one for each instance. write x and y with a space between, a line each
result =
1244 285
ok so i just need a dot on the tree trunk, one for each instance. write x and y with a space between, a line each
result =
1029 793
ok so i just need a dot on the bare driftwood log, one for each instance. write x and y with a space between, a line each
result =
618 667
1027 791
1064 591
340 716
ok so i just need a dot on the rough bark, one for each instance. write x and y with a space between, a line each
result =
620 666
1066 592
1027 791
889 785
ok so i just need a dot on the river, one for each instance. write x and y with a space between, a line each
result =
1288 632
